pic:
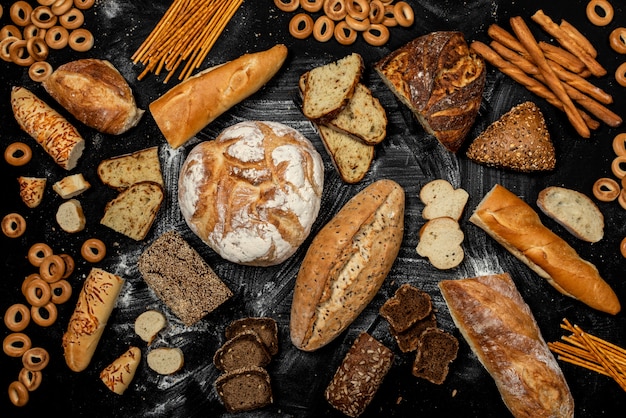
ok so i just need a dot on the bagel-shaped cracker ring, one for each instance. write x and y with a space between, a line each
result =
57 37
18 154
617 40
16 344
10 30
335 9
616 166
620 75
622 247
287 5
323 28
37 48
13 225
46 320
32 31
60 292
619 144
312 6
376 35
377 11
73 19
69 265
84 4
594 17
93 250
606 189
344 34
60 7
358 25
404 14
38 293
81 40
35 359
19 54
27 281
358 9
30 378
42 17
18 393
52 268
17 317
39 71
301 26
37 252
20 12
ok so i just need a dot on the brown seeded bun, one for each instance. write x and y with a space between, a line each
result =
253 193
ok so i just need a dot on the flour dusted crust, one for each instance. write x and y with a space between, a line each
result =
253 193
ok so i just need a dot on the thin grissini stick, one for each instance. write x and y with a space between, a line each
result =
501 35
514 58
519 76
564 58
582 84
566 42
578 37
527 39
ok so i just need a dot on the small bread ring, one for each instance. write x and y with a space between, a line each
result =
622 247
377 11
69 265
46 2
52 268
344 34
37 48
81 40
619 144
93 250
18 154
73 19
35 359
312 6
39 71
618 40
42 17
60 7
594 17
37 252
335 9
358 25
60 292
616 166
17 317
84 4
18 394
301 26
32 31
13 225
389 18
20 12
30 378
38 293
287 5
323 28
27 281
10 30
620 75
606 189
5 44
16 344
376 35
403 13
46 320
358 9
19 54
57 37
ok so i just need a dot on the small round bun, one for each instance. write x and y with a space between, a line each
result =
253 193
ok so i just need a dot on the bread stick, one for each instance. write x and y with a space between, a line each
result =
564 58
578 37
581 83
515 58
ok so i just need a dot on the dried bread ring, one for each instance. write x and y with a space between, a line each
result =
69 265
37 48
358 9
616 166
376 35
52 268
335 9
33 31
617 39
10 30
344 34
19 54
57 37
60 7
42 17
20 12
620 75
597 19
18 394
301 26
93 250
606 189
377 11
389 18
323 28
46 2
39 71
312 6
84 4
27 281
60 292
18 154
73 19
287 5
622 247
619 144
16 344
13 225
35 359
358 25
404 14
17 317
621 199
30 378
37 252
80 40
46 320
38 293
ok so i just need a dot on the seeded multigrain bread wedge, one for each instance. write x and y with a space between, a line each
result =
518 141
122 171
133 211
575 211
329 87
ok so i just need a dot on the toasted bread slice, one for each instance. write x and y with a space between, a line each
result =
518 141
124 170
133 211
351 157
440 198
32 190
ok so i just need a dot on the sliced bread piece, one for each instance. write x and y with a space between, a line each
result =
329 87
133 211
436 350
351 157
440 241
70 216
576 212
166 360
409 340
32 190
518 141
407 306
122 171
71 186
440 199
265 327
149 324
244 389
243 350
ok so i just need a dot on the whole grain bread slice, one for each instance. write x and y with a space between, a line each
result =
351 157
244 389
265 327
122 171
407 306
436 350
243 350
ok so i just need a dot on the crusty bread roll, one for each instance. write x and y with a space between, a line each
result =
96 94
501 330
191 105
94 306
58 137
517 227
346 264
253 193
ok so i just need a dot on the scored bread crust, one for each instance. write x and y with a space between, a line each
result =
517 227
501 330
346 264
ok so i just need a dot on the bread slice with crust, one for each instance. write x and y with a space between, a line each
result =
244 389
436 349
70 216
32 190
124 170
440 199
351 157
440 241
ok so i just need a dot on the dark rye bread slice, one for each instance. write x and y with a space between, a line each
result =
408 340
265 327
407 306
244 389
357 379
181 278
436 350
245 349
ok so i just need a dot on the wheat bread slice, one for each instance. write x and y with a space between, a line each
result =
124 170
441 199
244 389
350 157
70 216
165 360
440 241
148 324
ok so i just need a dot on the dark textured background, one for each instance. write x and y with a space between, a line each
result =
408 156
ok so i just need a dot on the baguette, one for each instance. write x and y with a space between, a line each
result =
58 137
516 226
191 105
346 264
502 332
93 308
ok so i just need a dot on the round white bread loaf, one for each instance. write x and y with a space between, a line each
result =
253 193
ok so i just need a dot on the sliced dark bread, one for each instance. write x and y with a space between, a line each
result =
265 327
408 340
245 349
244 389
407 306
436 350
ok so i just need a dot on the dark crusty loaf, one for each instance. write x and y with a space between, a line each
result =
244 389
181 278
518 141
409 340
436 350
440 80
243 350
265 327
407 306
357 379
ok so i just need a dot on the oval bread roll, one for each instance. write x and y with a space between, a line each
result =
346 264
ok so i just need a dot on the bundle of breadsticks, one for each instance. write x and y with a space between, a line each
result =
557 73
